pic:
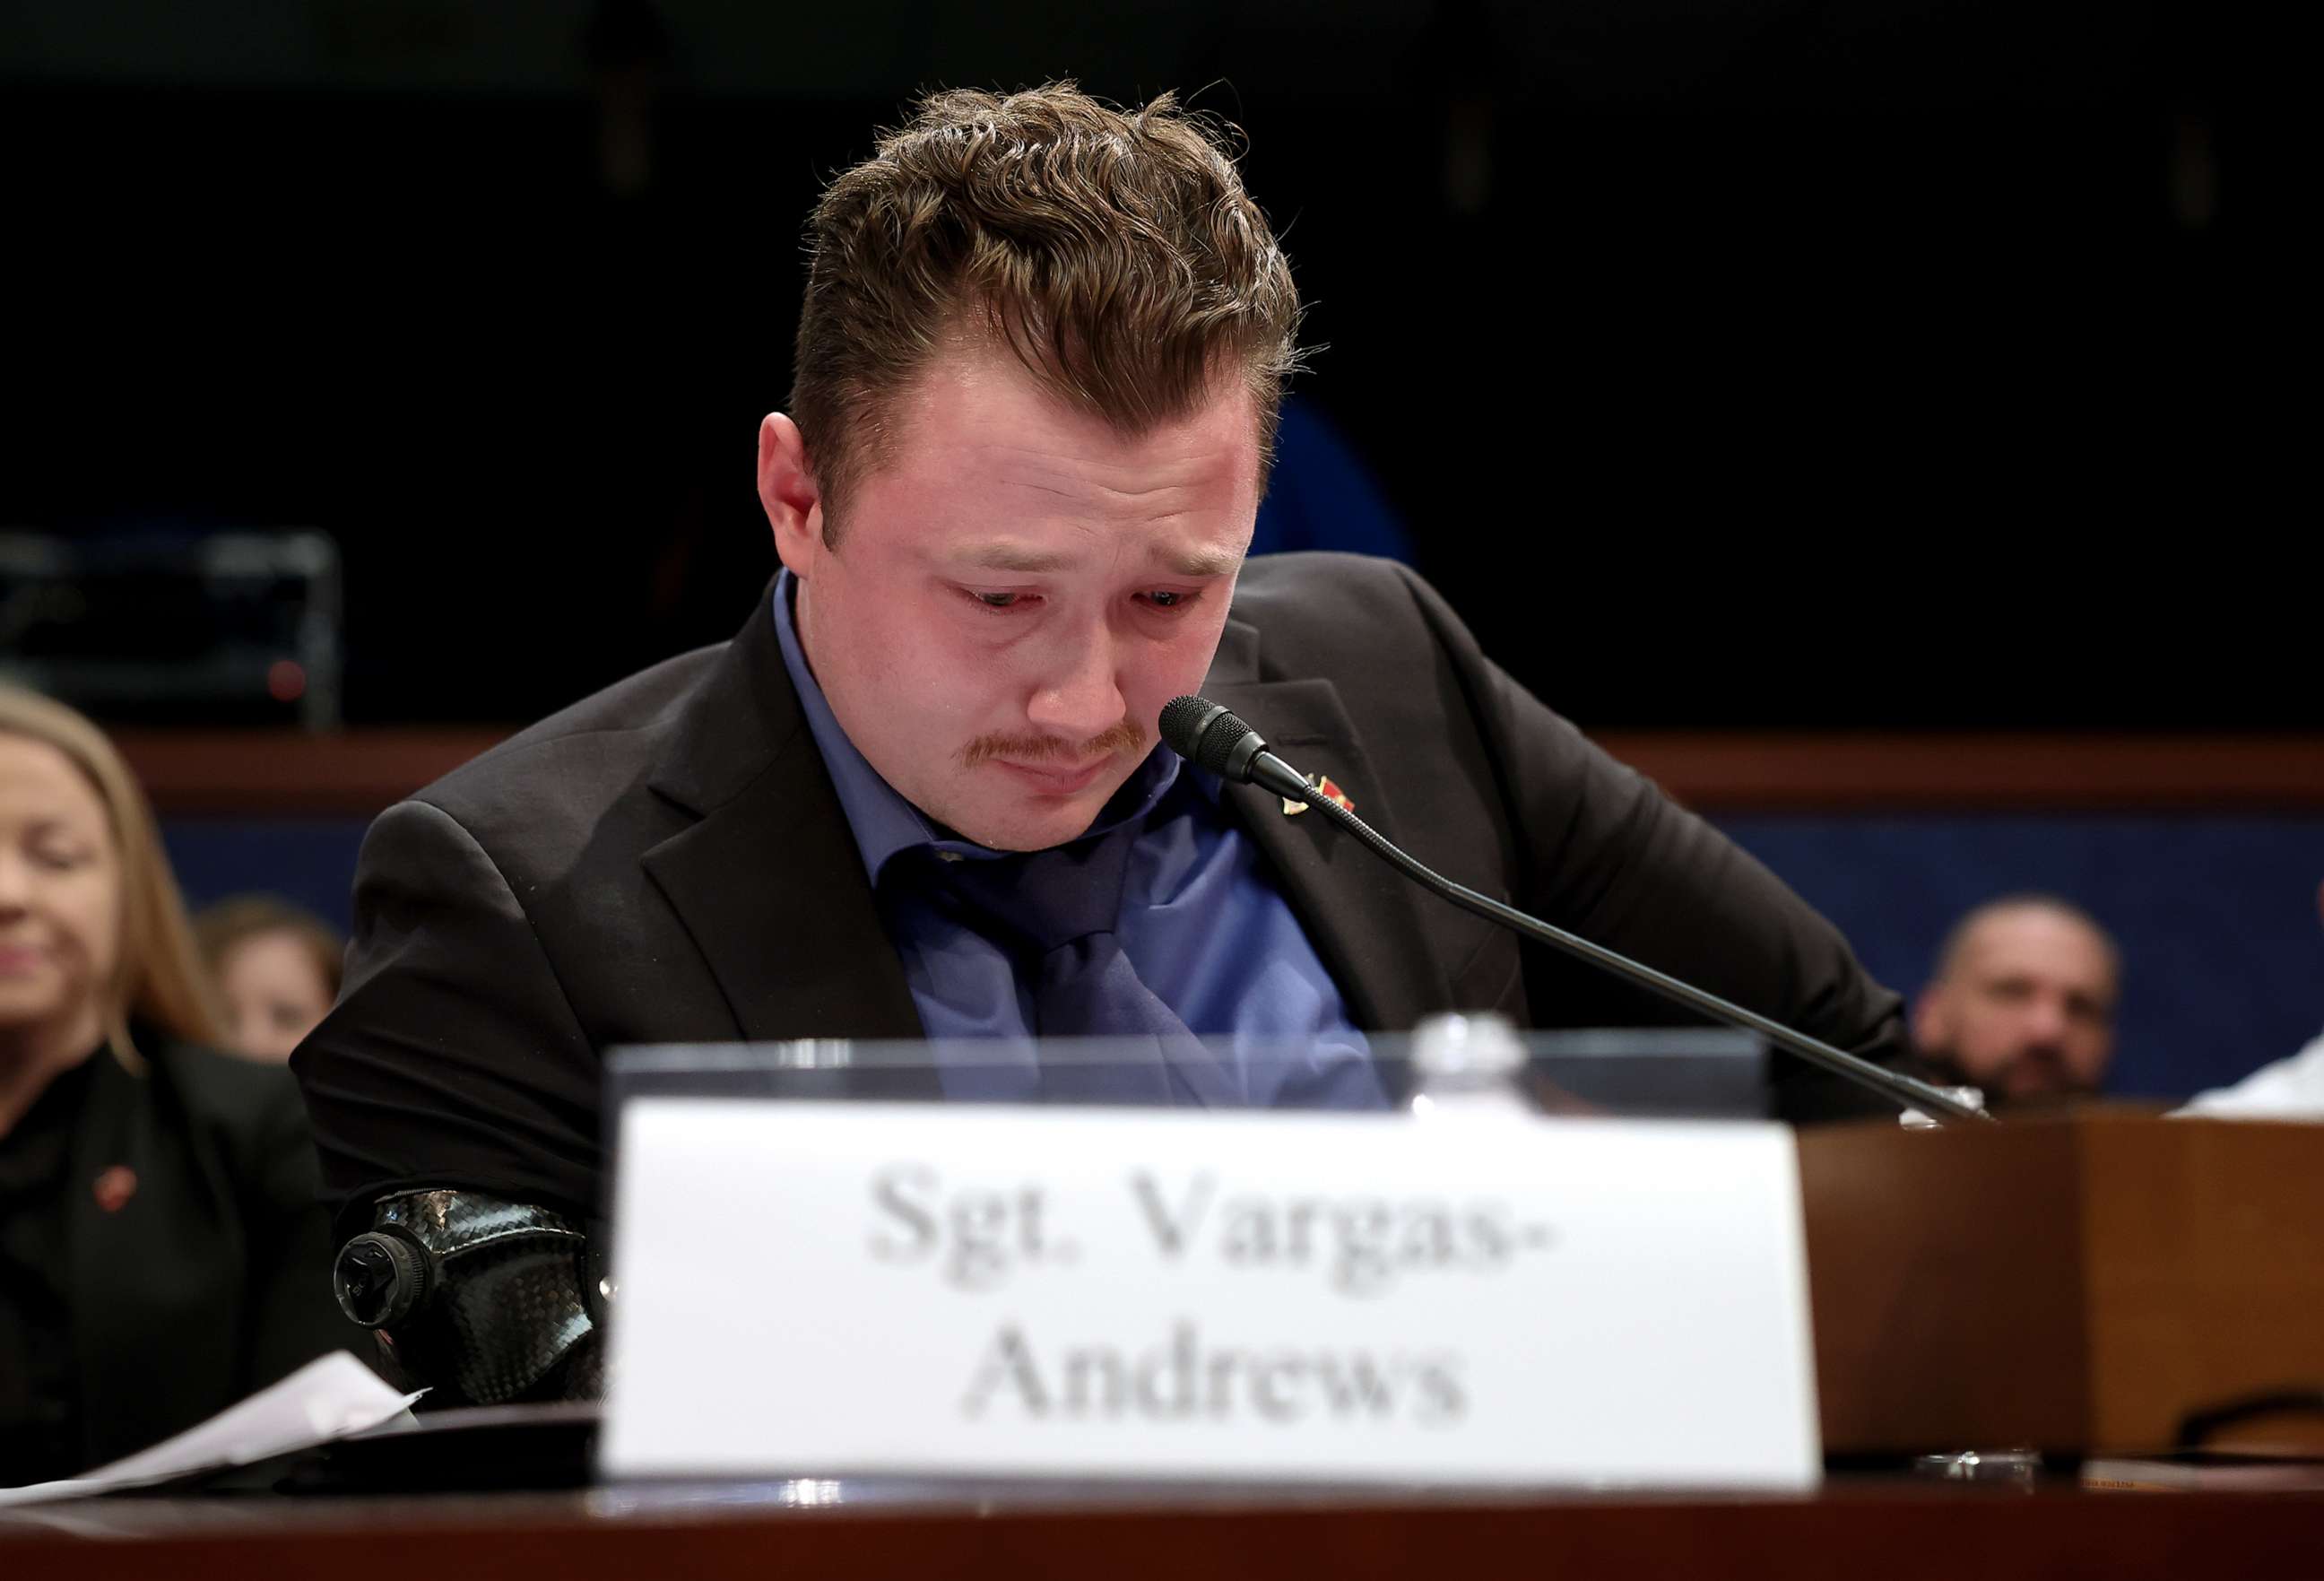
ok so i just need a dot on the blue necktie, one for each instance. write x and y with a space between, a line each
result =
1055 911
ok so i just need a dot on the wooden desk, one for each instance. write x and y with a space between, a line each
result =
2080 1282
1894 1529
254 773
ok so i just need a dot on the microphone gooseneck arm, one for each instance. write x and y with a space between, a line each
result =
1215 739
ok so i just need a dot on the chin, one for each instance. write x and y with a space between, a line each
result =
38 1021
1035 834
1003 816
1030 827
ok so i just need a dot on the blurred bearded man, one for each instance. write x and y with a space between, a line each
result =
2023 1004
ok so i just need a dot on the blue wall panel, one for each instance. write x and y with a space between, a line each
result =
2223 952
312 861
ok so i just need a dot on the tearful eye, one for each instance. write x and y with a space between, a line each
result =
996 600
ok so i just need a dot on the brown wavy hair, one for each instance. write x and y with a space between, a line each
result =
158 979
1114 252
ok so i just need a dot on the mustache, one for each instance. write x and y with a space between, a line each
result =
1124 737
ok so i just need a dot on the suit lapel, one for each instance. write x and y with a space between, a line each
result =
101 1244
1362 916
150 1257
768 881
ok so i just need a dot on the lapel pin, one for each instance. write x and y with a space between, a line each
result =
114 1187
1330 792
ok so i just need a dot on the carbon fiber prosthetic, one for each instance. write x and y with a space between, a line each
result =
485 1300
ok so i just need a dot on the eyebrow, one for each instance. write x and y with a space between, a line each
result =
1024 560
1203 562
1004 556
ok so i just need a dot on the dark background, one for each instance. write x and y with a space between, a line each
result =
1731 363
1893 362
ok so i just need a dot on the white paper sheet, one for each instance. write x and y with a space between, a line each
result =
331 1397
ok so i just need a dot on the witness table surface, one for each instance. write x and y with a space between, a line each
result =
1894 1529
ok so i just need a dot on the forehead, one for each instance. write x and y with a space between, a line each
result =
2030 939
976 418
39 781
270 953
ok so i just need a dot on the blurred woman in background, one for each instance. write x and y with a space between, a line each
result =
161 1252
277 969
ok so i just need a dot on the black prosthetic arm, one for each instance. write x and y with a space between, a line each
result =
481 1301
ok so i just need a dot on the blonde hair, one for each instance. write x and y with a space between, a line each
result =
158 979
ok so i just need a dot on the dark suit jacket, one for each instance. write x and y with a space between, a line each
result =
213 1278
667 861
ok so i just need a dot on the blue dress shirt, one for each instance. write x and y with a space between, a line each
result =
1201 922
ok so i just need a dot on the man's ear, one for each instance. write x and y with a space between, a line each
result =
788 492
1930 1020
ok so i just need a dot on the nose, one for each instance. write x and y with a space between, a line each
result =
2045 1022
1079 695
14 885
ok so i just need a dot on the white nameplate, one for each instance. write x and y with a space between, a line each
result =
824 1289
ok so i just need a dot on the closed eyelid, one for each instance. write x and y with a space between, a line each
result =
1011 598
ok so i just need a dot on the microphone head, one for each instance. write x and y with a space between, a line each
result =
1205 733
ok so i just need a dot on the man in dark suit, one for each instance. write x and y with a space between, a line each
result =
919 795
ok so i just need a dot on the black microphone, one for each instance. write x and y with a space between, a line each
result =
1211 738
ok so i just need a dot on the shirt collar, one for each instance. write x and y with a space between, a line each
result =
882 821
